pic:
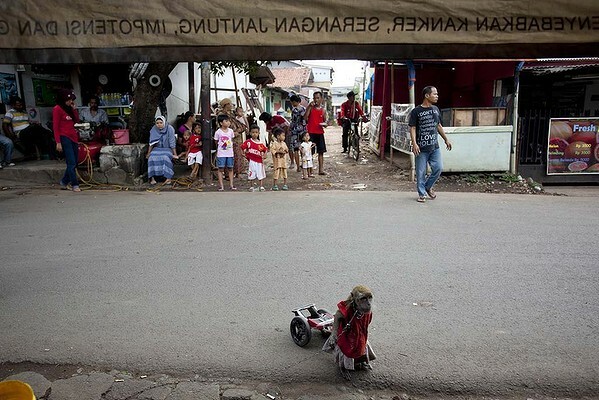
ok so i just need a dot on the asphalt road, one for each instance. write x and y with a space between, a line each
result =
474 293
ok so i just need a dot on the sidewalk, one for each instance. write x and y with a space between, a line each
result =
369 173
33 173
342 173
79 383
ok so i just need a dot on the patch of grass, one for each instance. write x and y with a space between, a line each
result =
509 178
473 178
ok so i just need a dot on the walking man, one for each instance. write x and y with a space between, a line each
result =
425 125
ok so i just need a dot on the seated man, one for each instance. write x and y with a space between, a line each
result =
8 147
93 113
18 126
99 120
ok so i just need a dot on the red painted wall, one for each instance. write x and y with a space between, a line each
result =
460 84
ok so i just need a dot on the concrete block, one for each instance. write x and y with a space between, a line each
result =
117 176
89 387
38 383
130 158
107 162
157 393
238 394
195 391
128 389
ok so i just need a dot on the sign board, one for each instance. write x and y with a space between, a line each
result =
573 146
374 129
227 29
8 87
400 131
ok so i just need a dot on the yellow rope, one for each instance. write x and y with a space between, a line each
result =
177 184
90 183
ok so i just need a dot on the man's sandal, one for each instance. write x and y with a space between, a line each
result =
421 199
431 194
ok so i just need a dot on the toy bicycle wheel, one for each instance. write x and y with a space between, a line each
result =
301 333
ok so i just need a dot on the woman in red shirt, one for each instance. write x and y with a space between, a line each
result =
64 117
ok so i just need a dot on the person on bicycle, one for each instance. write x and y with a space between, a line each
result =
351 111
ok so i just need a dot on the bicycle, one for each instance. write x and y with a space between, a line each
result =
353 140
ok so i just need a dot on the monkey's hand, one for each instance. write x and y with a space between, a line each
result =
330 344
333 339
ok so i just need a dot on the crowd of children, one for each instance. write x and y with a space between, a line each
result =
254 150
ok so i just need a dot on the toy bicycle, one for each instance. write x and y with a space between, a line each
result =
307 318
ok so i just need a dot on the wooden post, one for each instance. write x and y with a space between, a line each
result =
385 113
192 86
411 89
411 82
237 100
392 84
515 133
206 126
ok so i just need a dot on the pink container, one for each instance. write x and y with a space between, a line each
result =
121 136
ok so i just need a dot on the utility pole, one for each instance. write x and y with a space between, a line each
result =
206 126
191 85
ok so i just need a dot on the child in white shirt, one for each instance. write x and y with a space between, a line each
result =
306 153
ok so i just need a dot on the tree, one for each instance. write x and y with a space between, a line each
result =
147 96
247 67
146 99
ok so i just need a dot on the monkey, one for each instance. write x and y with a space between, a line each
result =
349 337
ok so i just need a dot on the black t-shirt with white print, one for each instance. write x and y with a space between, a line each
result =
426 120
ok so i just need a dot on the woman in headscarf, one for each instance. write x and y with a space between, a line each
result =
64 117
226 107
162 151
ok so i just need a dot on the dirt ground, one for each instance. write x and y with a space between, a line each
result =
368 173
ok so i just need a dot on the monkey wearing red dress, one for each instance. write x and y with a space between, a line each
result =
349 339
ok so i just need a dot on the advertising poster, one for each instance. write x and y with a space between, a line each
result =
573 146
8 87
45 91
400 131
375 127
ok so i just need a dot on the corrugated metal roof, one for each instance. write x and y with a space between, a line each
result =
568 59
559 65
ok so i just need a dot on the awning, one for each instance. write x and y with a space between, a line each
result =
262 76
557 65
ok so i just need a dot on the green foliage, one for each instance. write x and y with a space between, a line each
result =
474 178
509 178
248 67
489 178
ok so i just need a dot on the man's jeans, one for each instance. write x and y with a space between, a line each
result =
423 182
345 135
71 153
8 146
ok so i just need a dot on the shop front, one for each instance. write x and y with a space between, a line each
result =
558 119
